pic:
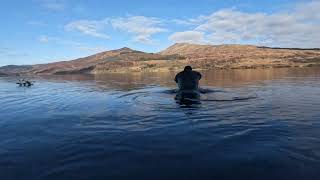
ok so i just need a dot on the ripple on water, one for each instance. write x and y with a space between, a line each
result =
79 130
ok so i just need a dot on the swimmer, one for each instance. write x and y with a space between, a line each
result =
188 83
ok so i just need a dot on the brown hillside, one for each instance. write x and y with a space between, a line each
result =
109 60
175 57
243 56
78 65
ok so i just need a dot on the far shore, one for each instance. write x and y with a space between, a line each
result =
163 67
164 70
160 70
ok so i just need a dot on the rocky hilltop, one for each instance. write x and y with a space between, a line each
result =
176 57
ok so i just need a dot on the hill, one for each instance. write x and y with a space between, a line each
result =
123 56
175 58
243 56
14 70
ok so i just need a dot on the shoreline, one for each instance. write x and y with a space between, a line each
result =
207 69
164 70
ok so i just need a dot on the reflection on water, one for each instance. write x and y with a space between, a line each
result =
217 78
250 124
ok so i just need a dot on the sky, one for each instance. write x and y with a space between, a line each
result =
43 31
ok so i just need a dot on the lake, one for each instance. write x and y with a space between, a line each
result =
250 124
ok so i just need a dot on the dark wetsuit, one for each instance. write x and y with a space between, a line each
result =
188 80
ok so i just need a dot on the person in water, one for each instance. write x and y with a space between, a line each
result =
24 83
188 80
188 83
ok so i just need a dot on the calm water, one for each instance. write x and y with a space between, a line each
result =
130 127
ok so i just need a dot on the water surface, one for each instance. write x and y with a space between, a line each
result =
128 126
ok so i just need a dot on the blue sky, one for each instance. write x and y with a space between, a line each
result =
41 31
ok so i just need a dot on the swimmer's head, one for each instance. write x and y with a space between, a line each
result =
188 68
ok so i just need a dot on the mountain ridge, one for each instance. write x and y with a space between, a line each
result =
227 56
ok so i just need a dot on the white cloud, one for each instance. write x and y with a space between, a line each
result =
36 23
140 26
299 27
54 5
50 39
189 22
187 37
44 39
89 27
182 22
77 45
309 11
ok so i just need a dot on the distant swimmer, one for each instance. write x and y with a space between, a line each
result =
24 83
188 83
28 83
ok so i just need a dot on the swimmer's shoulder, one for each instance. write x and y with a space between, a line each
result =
197 73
